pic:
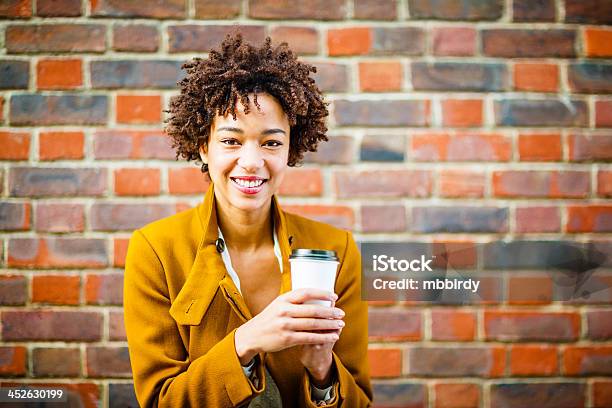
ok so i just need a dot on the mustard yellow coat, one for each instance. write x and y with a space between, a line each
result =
182 310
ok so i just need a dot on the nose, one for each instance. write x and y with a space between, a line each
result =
250 158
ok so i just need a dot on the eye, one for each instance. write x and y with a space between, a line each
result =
273 143
230 142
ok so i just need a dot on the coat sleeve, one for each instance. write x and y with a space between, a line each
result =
163 374
350 357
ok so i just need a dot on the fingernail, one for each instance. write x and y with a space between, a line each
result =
340 323
334 296
338 313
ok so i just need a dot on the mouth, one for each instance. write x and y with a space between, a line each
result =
249 184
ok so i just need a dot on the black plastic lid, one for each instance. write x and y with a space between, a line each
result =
314 254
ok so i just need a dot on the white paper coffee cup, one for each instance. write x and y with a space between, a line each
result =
314 268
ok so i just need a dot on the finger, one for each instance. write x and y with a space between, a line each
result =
314 311
307 324
313 338
304 294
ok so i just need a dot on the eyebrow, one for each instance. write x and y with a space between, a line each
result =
238 130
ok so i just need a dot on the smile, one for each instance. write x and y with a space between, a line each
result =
248 185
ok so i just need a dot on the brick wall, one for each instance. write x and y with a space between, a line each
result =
481 125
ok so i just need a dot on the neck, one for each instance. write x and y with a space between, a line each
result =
245 230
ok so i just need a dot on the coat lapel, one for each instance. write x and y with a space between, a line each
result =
208 273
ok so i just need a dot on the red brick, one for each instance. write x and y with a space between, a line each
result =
135 38
451 325
127 144
540 147
58 8
551 184
462 112
301 40
589 218
603 113
58 325
385 362
382 113
602 394
60 217
120 246
55 38
337 215
393 324
57 252
104 289
330 76
108 362
56 181
588 11
15 216
15 146
375 218
536 77
302 182
59 74
202 38
380 76
455 361
528 43
375 9
16 8
118 8
383 183
209 9
61 145
454 41
533 10
187 181
349 41
598 42
337 150
587 360
533 360
537 219
604 183
457 395
531 326
461 183
116 326
139 109
13 361
306 9
587 147
56 362
38 109
460 147
13 288
453 10
456 254
137 182
56 289
114 216
599 324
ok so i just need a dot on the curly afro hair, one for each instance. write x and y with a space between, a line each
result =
215 84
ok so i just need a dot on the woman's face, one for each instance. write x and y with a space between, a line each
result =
247 157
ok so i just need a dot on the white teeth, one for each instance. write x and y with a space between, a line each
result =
247 183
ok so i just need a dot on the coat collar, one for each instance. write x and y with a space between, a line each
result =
208 272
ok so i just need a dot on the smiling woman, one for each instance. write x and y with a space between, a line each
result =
210 315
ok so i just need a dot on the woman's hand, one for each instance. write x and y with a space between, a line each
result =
318 359
288 322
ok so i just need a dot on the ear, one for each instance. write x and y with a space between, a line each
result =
204 153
